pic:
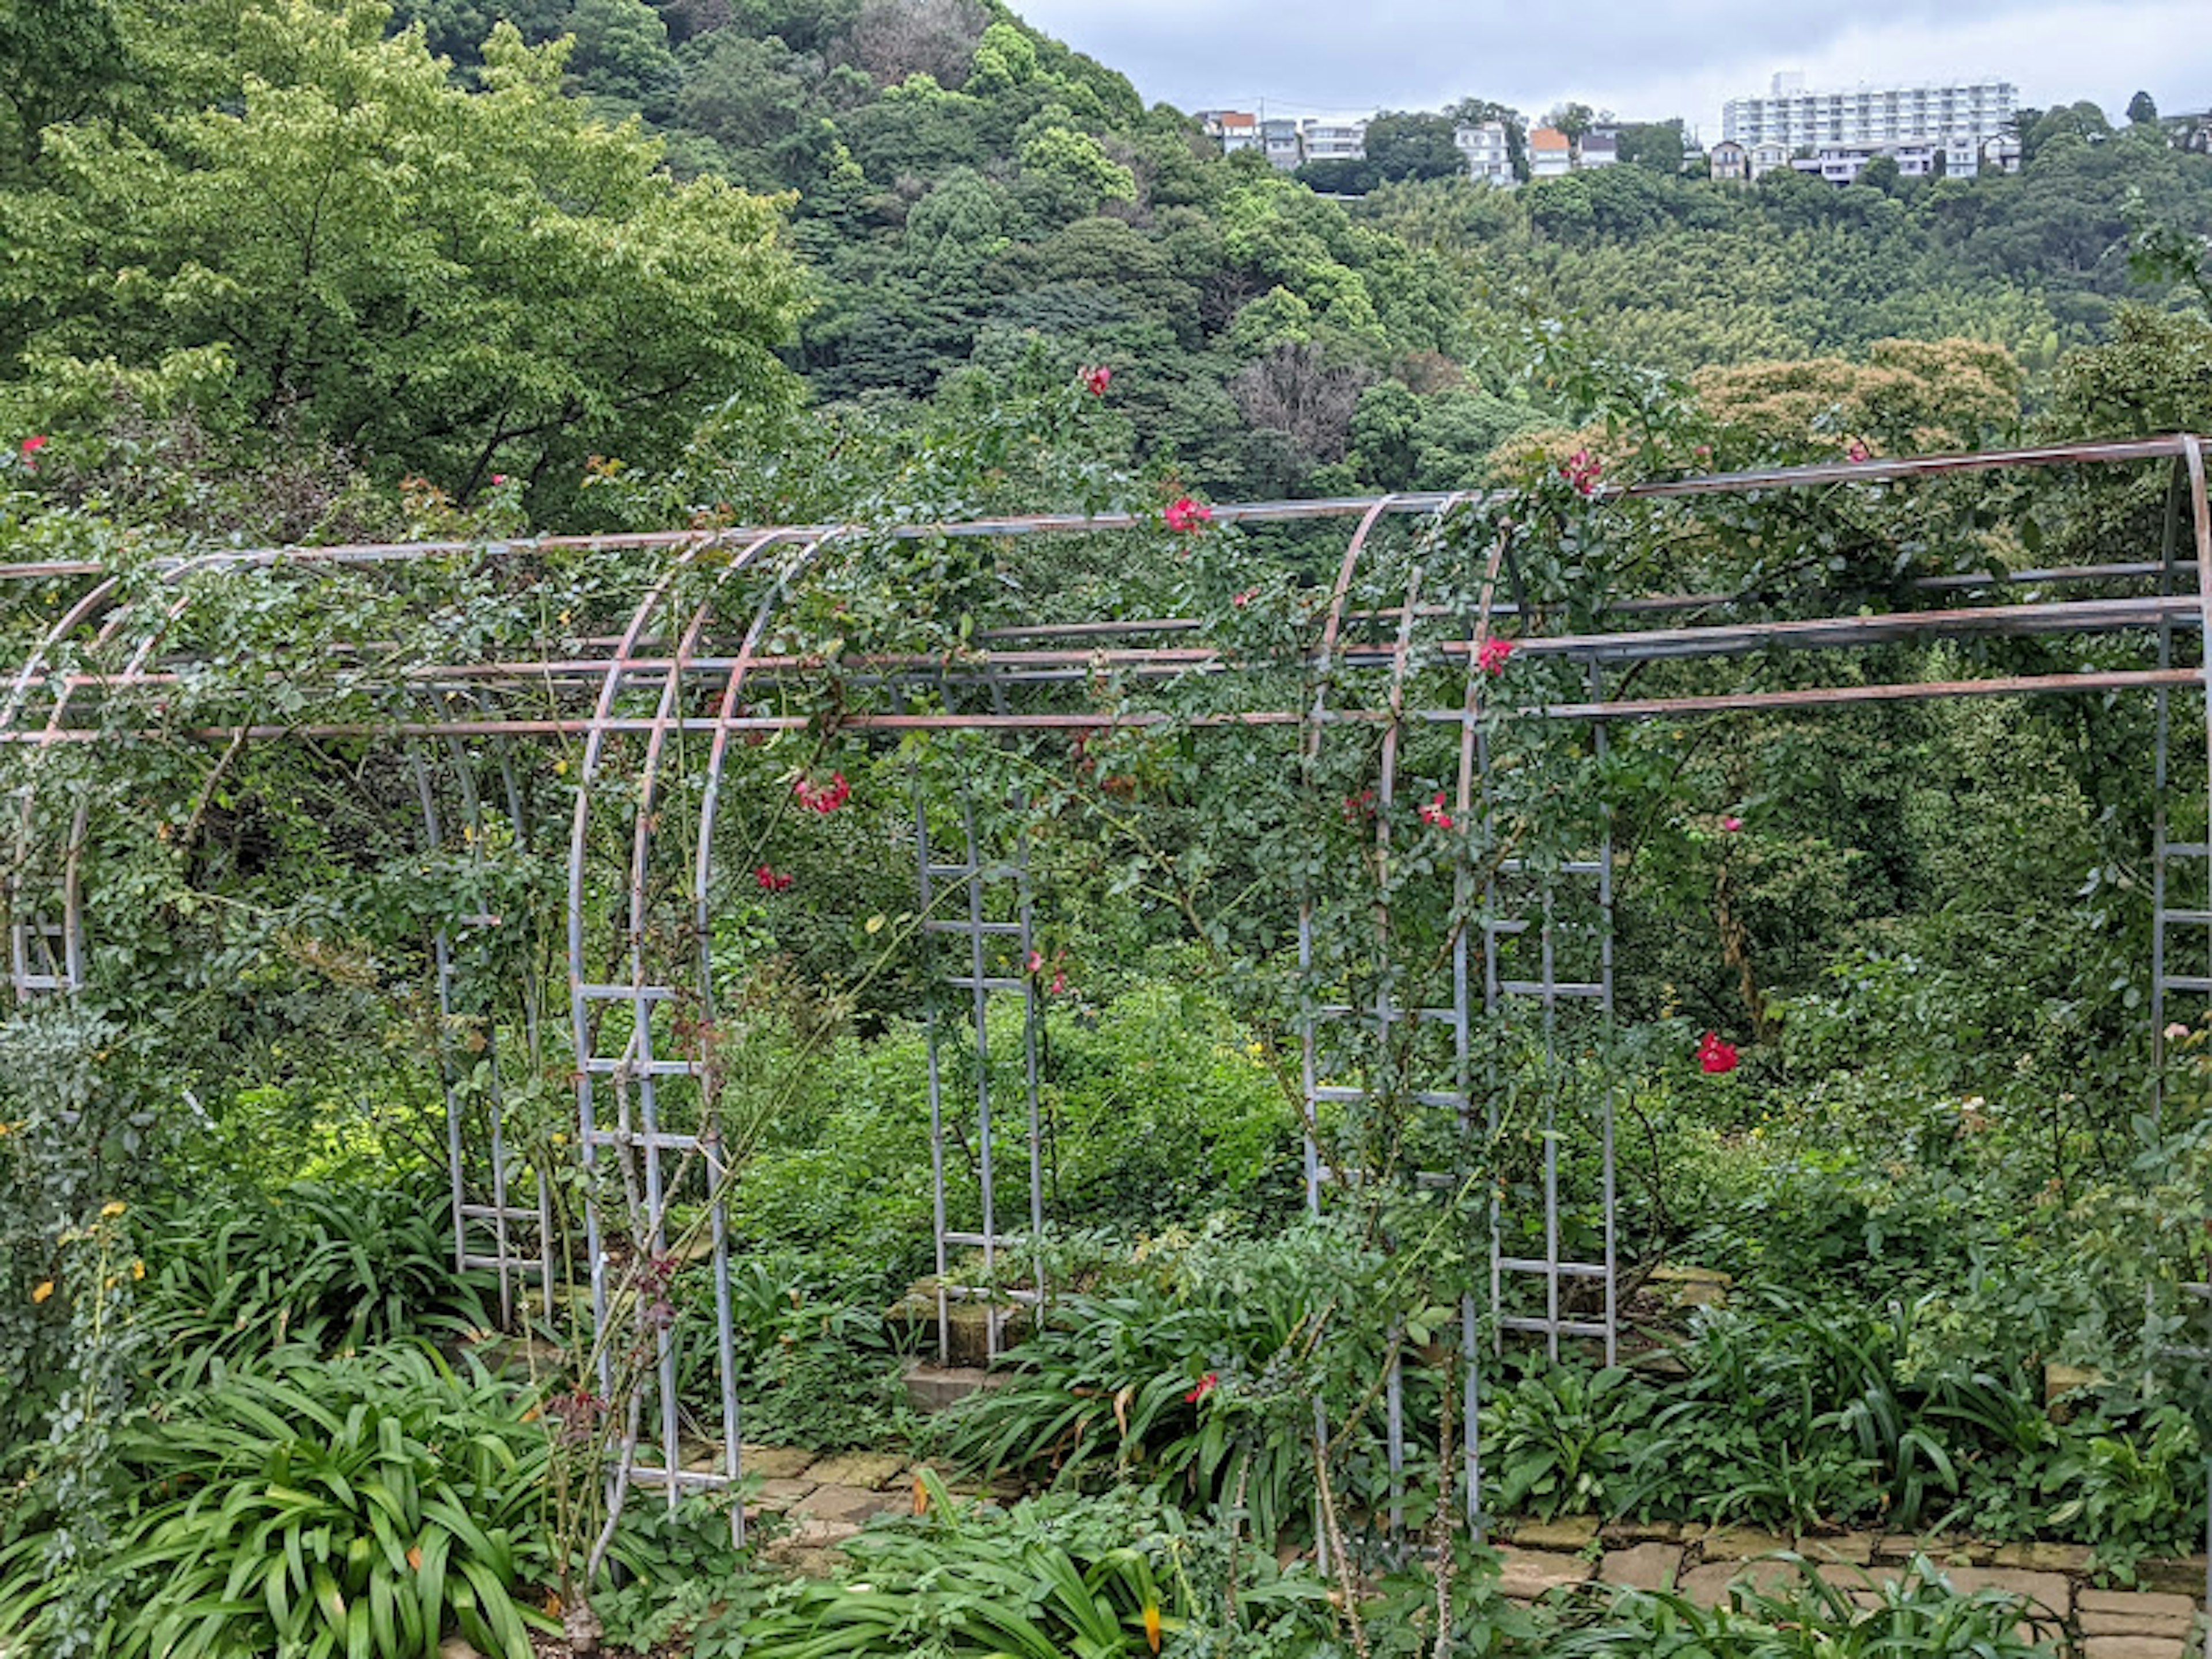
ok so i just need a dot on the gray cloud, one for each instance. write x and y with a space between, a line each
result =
1646 59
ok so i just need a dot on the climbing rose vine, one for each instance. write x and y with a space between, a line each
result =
1184 514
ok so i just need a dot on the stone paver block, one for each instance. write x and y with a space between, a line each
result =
777 1496
1642 1566
1739 1543
1619 1535
810 1543
873 1470
2045 1593
1573 1532
1525 1575
934 1388
1852 1548
2183 1577
2135 1647
852 1504
1708 1586
2042 1557
2133 1613
1944 1552
774 1462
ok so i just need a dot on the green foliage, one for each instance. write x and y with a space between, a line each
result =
1195 1370
457 283
1815 1618
330 1270
1559 1439
363 1505
1114 1575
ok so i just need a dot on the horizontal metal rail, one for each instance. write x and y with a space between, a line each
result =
2168 447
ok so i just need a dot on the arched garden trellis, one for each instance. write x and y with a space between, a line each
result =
660 707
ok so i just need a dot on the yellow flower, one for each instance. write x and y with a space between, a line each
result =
1152 1625
44 1290
113 1208
137 1270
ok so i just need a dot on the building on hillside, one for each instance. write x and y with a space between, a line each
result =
1599 147
1232 129
1488 152
1730 162
1764 159
1841 164
1279 139
1550 154
1333 141
1973 110
2192 133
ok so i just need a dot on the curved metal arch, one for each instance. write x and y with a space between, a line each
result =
637 1061
67 970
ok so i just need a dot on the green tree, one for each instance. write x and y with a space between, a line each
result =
1658 145
622 52
1573 119
2142 110
453 283
1415 146
60 60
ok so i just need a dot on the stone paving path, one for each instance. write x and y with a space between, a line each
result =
828 1498
1701 1564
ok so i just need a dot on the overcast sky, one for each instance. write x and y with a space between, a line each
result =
1644 59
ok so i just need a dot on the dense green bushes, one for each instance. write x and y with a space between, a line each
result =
363 1505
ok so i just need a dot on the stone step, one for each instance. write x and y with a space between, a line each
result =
931 1387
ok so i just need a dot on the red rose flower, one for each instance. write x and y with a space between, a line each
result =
1205 1385
1493 655
1716 1057
1185 514
1096 379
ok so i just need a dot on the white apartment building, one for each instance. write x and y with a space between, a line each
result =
1841 164
1488 155
1335 141
1973 111
1280 141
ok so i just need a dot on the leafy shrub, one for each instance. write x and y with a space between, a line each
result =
1558 1440
318 1266
1098 1577
1919 1615
364 1505
814 1368
1197 1370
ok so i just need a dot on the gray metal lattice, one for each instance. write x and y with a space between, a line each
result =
992 950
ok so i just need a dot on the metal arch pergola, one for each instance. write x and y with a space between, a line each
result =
699 644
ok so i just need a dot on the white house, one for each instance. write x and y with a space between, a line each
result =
1335 141
1487 151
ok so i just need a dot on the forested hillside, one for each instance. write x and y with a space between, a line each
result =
1682 272
464 240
